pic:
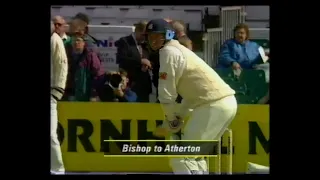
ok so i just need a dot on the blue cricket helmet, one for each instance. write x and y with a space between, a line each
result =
160 26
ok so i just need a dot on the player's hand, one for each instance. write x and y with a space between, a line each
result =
236 69
169 127
175 125
146 62
118 92
144 68
236 66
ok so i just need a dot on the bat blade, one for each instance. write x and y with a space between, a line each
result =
161 131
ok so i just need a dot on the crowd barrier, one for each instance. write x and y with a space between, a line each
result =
84 126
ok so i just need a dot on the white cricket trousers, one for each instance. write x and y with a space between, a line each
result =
57 166
207 122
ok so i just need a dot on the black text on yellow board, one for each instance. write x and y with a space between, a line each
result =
109 131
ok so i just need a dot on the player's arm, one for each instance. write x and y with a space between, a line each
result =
53 46
60 67
184 109
172 65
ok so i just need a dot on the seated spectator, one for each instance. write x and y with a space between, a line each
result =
86 74
116 89
239 52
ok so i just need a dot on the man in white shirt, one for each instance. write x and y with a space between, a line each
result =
60 26
212 100
59 71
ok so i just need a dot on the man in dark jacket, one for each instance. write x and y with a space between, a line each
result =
133 59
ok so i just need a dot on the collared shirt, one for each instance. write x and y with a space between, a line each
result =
177 75
64 37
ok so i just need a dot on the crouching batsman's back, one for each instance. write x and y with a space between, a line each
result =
212 100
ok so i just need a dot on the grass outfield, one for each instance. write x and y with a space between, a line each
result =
110 173
118 173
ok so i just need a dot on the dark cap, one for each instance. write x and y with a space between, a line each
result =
158 25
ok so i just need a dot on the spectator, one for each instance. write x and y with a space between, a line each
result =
131 58
116 89
86 74
79 25
180 30
90 40
186 42
83 17
60 24
60 27
168 20
77 28
239 52
66 39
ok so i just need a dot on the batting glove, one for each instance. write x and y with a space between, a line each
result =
175 125
169 127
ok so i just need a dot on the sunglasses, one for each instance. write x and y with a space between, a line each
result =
59 24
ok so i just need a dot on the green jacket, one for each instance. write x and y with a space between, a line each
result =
66 40
89 41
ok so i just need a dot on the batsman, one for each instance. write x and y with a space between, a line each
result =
211 99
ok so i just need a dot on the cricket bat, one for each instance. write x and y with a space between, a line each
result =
162 130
